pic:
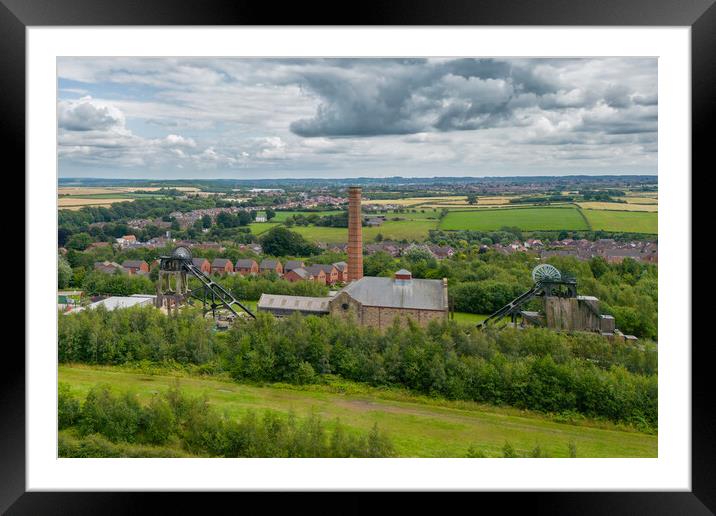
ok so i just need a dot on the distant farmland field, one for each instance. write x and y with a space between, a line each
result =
412 201
527 219
281 216
623 221
391 230
75 203
640 200
619 206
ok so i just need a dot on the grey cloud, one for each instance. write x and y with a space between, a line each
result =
389 97
85 115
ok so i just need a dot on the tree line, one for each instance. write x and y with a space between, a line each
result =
534 369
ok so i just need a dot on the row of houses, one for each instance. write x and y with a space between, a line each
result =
292 270
611 250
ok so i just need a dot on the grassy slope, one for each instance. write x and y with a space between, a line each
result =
525 218
623 221
419 427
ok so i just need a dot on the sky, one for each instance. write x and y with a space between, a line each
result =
165 118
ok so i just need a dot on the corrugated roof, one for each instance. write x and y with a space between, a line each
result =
112 303
302 303
425 294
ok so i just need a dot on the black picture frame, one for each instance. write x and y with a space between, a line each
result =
700 15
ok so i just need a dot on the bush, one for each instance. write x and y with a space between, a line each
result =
108 422
68 407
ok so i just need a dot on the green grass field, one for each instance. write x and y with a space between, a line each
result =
623 221
258 228
527 219
281 216
391 230
418 426
466 318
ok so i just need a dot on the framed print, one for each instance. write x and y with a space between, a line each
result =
377 255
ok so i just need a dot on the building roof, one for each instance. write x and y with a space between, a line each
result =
245 263
133 263
424 294
198 262
302 303
301 272
292 264
112 303
220 262
341 266
316 269
268 264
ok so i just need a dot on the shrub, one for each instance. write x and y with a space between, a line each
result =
68 407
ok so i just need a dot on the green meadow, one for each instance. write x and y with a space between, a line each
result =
623 221
418 426
527 219
390 230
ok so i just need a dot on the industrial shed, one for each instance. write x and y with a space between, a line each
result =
281 305
377 301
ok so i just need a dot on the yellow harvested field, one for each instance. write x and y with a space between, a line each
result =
87 190
618 206
75 203
412 201
640 200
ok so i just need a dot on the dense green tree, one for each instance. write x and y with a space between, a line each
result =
280 241
64 272
79 241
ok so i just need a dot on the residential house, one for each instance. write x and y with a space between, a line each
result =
126 240
136 266
317 273
293 264
109 267
271 266
202 264
222 266
342 271
246 267
261 216
298 274
333 275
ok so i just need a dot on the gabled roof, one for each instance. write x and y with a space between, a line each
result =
198 261
425 294
292 264
133 263
244 263
301 272
268 264
315 270
220 262
341 266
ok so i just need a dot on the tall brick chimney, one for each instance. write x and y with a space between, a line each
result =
355 235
